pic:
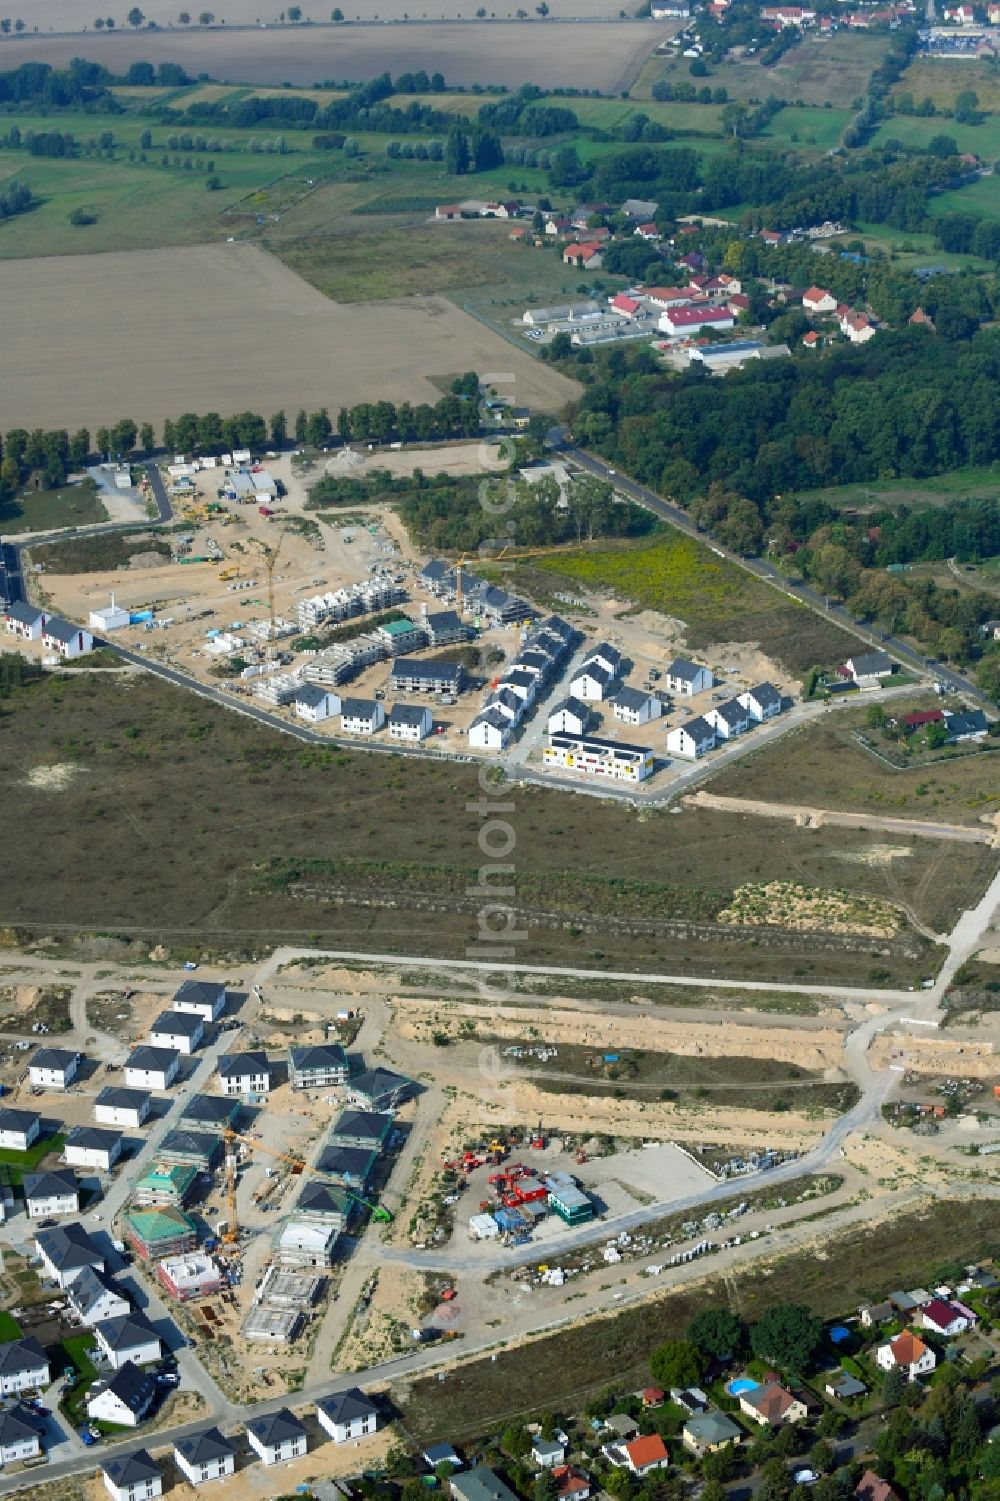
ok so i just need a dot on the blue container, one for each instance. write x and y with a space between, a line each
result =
137 617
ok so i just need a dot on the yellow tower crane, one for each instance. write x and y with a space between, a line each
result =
270 556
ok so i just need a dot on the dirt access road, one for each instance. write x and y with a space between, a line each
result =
814 818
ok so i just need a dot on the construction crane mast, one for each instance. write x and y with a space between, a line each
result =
231 1234
270 556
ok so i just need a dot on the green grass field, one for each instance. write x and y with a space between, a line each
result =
941 489
943 79
45 510
820 69
716 600
908 249
981 197
9 1327
16 1164
983 139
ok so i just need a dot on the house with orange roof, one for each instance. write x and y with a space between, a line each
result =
585 254
872 1487
572 1484
906 1353
640 1456
818 300
811 340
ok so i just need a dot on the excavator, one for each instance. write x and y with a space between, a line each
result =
231 1234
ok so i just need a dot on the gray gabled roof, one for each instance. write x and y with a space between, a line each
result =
371 1125
343 1407
26 614
594 669
765 694
53 1058
202 992
434 668
92 1138
60 629
19 1355
19 1423
732 711
190 1144
50 1184
321 1055
131 1469
632 698
132 1386
323 1198
712 1428
574 706
68 1247
379 1081
233 1065
126 1330
122 1099
17 1120
87 1290
211 1108
699 728
871 662
347 1162
178 1023
152 1060
408 714
358 708
276 1427
681 668
200 1448
311 695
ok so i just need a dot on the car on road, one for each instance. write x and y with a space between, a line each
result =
87 1437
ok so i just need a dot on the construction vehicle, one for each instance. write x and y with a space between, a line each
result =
538 1139
229 573
230 1234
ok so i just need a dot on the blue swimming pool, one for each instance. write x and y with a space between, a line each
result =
838 1334
741 1384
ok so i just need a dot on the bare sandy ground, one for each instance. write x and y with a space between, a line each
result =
553 54
226 328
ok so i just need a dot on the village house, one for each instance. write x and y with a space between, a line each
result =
876 1313
23 1367
908 1354
708 1432
572 1484
53 1068
18 1129
21 1432
317 1066
181 1031
773 1405
872 1487
480 1484
125 1400
947 1318
730 719
204 998
635 706
205 1456
65 1251
763 702
64 639
51 1192
353 1167
88 1146
244 1074
314 703
687 678
347 1415
379 1089
128 1336
593 682
869 668
121 1107
571 715
209 1112
25 621
692 740
843 1386
96 1297
152 1068
585 255
361 716
277 1438
640 1456
133 1477
366 1130
547 1453
818 300
410 722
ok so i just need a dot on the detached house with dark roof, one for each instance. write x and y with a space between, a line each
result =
53 1068
95 1298
24 1367
205 1456
89 1146
128 1337
379 1089
21 1432
132 1477
773 1405
152 1068
763 701
317 1066
126 1399
277 1438
18 1129
204 998
244 1073
52 1192
121 1107
347 1415
64 639
687 678
65 1251
181 1031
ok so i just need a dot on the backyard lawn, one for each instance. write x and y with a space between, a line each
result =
46 510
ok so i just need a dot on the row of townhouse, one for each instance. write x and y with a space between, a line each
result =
379 593
479 598
545 649
208 1455
29 623
724 722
